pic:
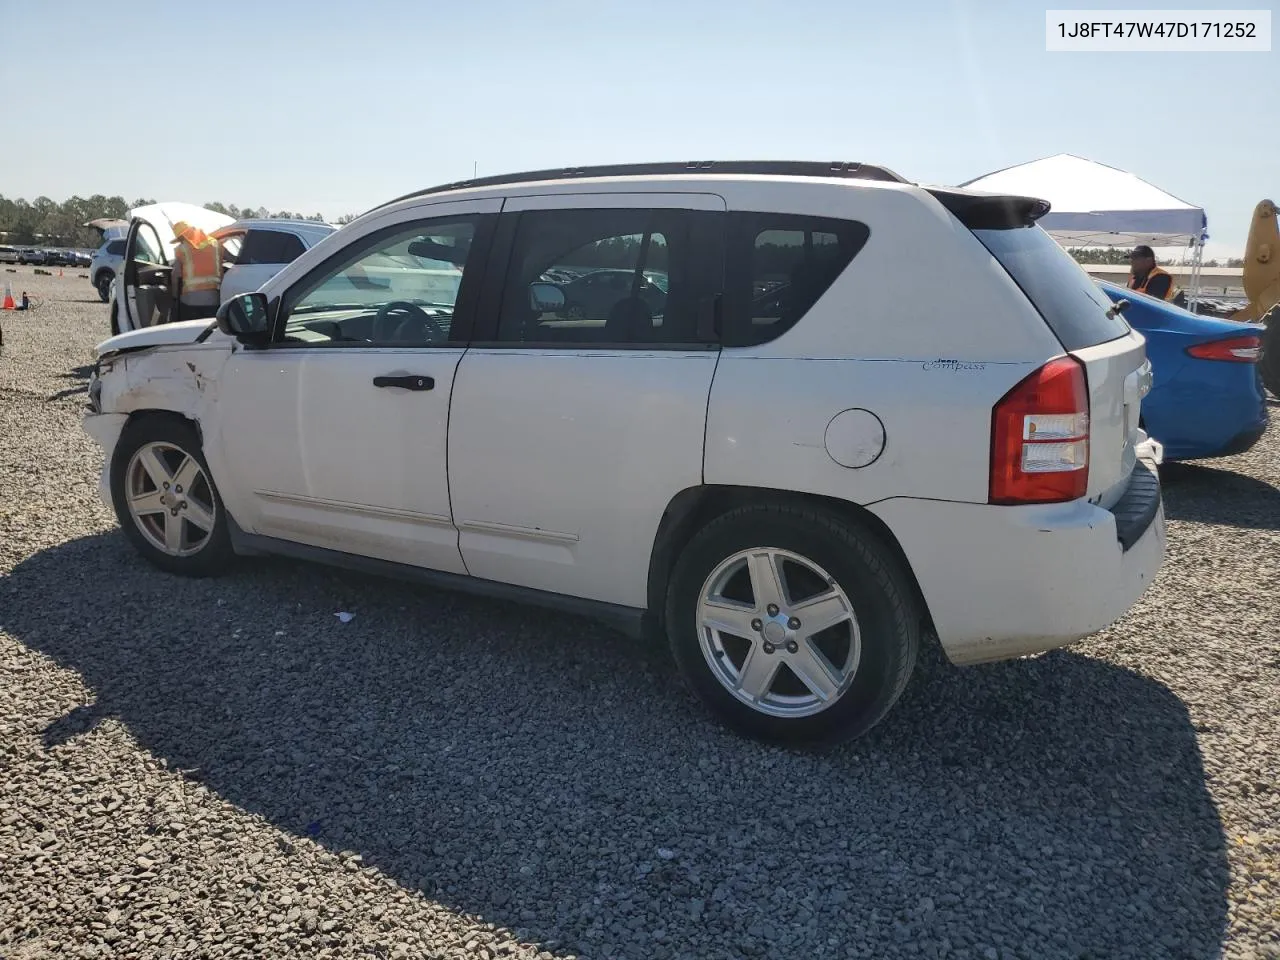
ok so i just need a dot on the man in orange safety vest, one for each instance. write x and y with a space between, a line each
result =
197 273
1146 277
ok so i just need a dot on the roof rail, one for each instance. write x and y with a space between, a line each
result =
776 168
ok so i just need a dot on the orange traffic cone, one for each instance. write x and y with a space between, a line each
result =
8 297
59 272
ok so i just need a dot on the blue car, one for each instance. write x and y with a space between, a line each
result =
1207 398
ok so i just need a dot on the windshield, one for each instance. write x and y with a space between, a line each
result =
1066 296
659 280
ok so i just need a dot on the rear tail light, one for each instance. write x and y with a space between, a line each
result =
1040 437
1244 349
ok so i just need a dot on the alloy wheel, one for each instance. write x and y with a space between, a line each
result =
170 499
778 632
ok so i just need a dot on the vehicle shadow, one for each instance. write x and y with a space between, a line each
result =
80 375
1203 494
551 776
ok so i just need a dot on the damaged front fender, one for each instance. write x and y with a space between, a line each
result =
181 381
178 381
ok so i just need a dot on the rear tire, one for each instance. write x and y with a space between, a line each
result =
725 636
165 497
103 284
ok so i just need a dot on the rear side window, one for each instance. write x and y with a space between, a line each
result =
628 276
115 248
779 266
269 246
1070 302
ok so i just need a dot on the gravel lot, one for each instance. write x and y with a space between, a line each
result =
223 768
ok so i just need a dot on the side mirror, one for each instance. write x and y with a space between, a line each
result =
245 317
546 297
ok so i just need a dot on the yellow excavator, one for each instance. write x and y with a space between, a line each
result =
1262 287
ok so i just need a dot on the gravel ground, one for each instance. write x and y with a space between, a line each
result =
223 768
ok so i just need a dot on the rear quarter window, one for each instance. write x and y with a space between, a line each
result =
779 266
270 246
115 248
1073 306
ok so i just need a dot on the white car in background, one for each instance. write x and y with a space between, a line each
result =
253 251
105 265
806 462
108 258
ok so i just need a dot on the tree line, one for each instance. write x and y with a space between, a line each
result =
1120 256
48 223
774 258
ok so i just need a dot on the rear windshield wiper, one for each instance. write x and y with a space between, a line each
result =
1117 308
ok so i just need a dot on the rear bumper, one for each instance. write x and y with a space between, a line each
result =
1225 444
1243 441
1003 582
1209 409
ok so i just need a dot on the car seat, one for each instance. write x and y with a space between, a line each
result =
630 320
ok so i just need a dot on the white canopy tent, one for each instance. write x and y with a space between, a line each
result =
1094 205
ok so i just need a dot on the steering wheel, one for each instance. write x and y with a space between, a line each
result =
392 317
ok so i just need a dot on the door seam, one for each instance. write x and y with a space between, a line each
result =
706 418
448 449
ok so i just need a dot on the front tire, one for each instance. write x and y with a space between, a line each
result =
792 625
165 497
103 284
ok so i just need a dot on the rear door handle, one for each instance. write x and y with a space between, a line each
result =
410 382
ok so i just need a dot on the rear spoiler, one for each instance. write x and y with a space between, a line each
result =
990 211
109 228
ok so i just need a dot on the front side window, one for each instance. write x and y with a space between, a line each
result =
626 277
781 265
400 288
147 247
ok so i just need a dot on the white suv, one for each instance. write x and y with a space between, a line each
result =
862 411
256 250
105 266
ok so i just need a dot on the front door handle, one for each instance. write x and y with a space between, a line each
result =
411 382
